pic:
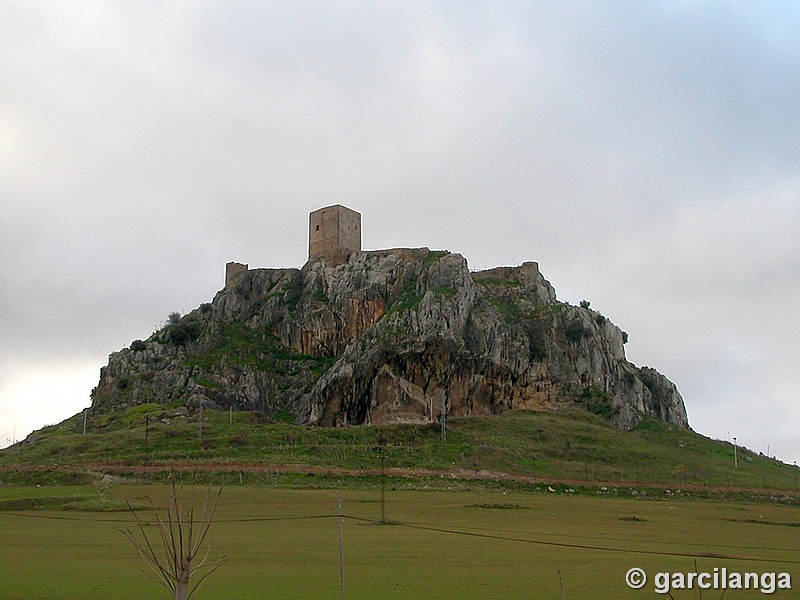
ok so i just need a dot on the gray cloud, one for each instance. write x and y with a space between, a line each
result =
644 153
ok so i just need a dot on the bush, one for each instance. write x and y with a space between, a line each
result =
186 330
138 346
259 417
238 441
575 331
598 402
537 338
284 416
291 296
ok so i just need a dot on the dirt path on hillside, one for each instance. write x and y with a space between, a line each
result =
121 468
417 473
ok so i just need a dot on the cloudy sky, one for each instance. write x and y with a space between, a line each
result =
644 152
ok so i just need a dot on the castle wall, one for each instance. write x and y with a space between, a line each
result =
349 231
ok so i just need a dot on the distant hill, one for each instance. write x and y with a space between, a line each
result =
402 335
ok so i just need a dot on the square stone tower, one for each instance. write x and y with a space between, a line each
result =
232 272
334 232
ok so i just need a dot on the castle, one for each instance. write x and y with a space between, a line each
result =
334 233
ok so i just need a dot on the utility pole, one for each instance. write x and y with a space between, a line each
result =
383 487
736 458
444 419
85 414
341 550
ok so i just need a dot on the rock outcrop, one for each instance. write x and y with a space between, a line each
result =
401 335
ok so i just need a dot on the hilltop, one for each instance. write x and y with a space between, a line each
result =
404 343
403 335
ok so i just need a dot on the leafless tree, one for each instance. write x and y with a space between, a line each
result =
182 537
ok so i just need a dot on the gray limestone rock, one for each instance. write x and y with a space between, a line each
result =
400 335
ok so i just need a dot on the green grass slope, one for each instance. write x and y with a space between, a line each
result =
570 446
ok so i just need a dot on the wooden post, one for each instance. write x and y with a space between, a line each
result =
444 420
383 490
341 550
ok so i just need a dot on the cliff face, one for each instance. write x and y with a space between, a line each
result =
393 335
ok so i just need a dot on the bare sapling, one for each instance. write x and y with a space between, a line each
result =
180 558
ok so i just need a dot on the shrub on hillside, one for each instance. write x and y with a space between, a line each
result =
186 330
575 331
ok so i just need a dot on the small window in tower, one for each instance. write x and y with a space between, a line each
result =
316 228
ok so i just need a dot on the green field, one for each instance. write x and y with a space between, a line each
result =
509 506
283 543
567 445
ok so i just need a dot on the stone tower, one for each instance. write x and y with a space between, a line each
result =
334 232
232 272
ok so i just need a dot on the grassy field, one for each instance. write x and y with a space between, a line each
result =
511 506
569 445
283 543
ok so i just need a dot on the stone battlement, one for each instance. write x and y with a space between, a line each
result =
334 233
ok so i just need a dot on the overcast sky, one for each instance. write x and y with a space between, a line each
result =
645 153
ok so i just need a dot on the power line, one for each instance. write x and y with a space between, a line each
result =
625 540
583 546
100 520
432 528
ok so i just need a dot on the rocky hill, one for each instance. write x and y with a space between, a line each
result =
402 335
